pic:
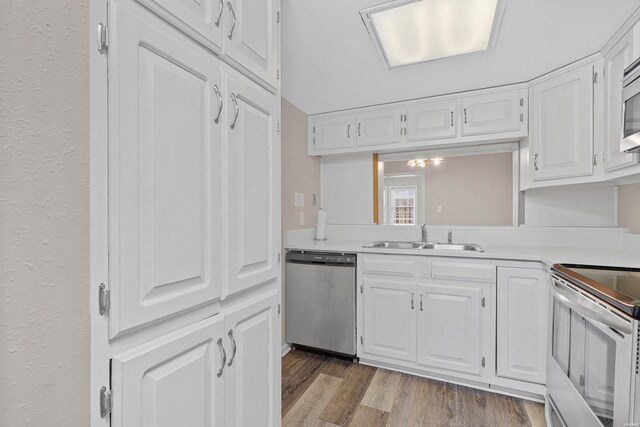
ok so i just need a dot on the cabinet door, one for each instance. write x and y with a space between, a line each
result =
619 58
202 19
380 127
493 113
172 381
252 375
431 121
453 326
252 192
330 133
251 36
561 126
389 319
522 300
164 171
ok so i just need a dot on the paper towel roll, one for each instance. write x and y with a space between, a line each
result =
322 225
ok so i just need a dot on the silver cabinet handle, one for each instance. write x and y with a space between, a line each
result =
359 128
522 117
224 357
102 38
595 160
216 119
465 115
421 303
217 20
233 20
412 307
349 131
535 161
451 118
237 108
233 347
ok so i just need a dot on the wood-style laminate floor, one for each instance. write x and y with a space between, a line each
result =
318 390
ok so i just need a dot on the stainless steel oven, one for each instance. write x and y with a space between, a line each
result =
592 369
631 108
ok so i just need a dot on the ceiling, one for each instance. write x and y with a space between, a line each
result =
329 62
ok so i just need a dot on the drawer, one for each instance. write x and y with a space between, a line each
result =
469 272
389 266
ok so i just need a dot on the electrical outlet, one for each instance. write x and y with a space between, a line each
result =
302 199
301 218
439 209
296 199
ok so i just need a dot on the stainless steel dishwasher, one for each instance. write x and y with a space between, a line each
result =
321 301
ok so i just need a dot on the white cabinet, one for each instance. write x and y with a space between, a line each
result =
493 113
379 127
617 59
172 380
164 171
389 318
454 326
252 373
331 132
561 133
522 300
431 120
245 31
252 192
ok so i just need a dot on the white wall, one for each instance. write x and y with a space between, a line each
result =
571 206
347 189
44 212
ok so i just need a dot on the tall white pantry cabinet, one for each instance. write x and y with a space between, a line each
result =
185 256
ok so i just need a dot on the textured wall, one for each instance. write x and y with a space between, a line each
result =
44 212
629 207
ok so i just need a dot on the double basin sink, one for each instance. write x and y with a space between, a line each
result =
470 247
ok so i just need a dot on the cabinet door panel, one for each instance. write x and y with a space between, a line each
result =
616 61
493 113
252 186
522 324
164 171
171 381
252 381
330 133
251 35
431 120
451 323
199 18
561 126
379 127
389 319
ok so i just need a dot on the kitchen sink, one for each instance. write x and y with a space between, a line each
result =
384 244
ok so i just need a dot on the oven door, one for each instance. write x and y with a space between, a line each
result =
590 365
631 114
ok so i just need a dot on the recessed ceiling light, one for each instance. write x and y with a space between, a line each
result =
410 32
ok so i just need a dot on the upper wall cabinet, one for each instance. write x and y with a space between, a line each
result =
244 31
621 55
496 115
487 114
561 134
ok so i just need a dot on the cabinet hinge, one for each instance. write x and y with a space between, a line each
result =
595 77
522 117
595 160
103 37
522 102
278 258
482 362
278 127
483 302
104 299
278 74
278 17
581 380
105 402
314 130
361 340
278 309
361 289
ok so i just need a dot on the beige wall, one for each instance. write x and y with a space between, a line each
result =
44 213
472 190
629 207
300 173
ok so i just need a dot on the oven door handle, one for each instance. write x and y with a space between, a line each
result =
589 309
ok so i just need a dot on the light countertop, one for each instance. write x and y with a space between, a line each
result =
545 254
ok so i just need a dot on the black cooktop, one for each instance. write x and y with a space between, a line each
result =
619 287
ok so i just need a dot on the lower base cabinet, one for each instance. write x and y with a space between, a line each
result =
233 359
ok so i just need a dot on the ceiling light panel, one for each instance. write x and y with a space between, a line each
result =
412 32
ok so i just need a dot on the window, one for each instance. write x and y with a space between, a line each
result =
403 205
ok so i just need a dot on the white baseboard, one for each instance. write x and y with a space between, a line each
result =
286 348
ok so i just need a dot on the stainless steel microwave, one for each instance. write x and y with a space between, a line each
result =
631 108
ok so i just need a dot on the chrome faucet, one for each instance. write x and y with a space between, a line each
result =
424 233
450 237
